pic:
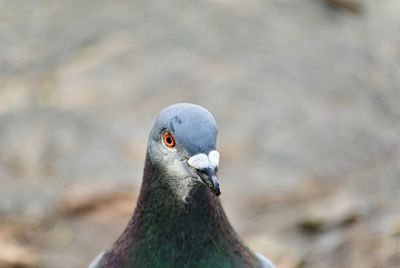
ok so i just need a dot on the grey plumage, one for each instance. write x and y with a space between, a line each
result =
179 220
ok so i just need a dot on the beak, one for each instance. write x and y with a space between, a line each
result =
206 167
209 177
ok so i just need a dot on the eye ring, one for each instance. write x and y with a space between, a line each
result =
169 140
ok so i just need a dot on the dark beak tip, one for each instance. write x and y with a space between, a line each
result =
209 178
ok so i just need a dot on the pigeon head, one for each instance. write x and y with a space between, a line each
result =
182 145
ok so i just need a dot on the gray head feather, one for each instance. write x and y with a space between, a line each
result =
193 127
194 131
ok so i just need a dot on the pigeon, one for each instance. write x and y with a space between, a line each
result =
179 220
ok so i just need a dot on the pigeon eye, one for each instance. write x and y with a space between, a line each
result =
169 140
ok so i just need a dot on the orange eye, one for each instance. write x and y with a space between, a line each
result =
169 140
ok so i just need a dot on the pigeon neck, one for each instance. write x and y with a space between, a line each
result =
158 202
195 234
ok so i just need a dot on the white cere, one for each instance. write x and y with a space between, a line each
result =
202 161
213 156
199 161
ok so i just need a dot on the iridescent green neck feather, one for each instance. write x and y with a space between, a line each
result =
167 232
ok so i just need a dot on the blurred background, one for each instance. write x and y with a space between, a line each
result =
306 95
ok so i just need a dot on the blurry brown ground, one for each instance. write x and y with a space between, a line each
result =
306 95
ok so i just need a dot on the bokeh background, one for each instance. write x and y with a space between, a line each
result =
306 95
